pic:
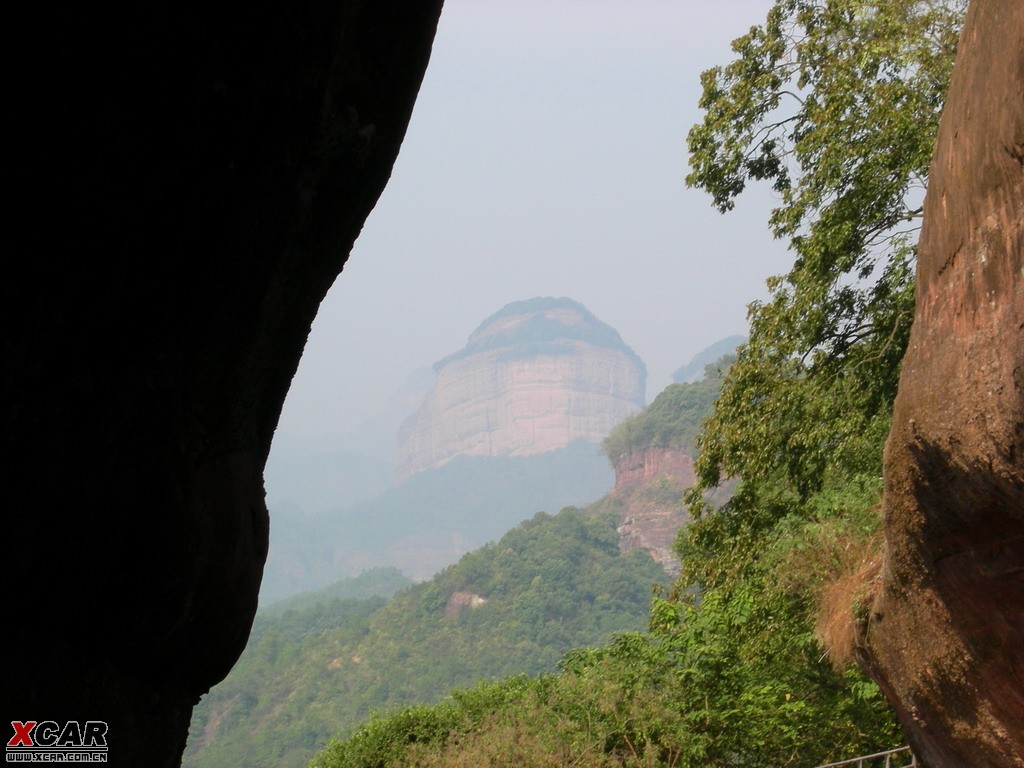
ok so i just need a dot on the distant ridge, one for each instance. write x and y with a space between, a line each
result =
694 370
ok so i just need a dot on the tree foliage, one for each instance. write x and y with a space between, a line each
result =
314 667
836 104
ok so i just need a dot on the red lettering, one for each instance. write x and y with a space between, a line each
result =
22 734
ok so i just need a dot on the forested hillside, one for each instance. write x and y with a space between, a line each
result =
512 607
749 658
673 419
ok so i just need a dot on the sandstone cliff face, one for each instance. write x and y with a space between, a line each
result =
945 636
533 377
652 463
649 486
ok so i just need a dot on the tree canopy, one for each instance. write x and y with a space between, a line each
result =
836 104
321 664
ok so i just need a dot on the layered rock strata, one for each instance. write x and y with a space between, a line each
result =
533 377
649 486
945 635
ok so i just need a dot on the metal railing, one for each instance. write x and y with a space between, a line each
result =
893 758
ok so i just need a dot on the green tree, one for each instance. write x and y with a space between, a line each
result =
836 104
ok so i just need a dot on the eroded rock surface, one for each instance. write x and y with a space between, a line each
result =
189 182
535 376
945 637
649 487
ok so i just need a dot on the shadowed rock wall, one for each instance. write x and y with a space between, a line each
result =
945 637
188 182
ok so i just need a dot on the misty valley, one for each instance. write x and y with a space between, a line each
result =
457 574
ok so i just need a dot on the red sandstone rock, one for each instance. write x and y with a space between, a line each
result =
649 488
458 601
654 462
945 637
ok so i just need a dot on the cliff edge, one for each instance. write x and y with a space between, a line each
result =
649 487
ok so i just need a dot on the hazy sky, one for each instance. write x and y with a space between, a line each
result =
546 157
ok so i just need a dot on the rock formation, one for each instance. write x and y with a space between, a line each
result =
649 486
945 635
459 601
189 182
651 463
533 377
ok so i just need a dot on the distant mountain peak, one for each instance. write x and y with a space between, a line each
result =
534 376
543 324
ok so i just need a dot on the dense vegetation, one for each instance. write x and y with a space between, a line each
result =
747 658
314 667
673 419
732 669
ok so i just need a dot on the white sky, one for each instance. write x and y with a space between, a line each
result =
546 157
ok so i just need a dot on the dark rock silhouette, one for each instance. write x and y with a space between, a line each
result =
945 636
188 182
